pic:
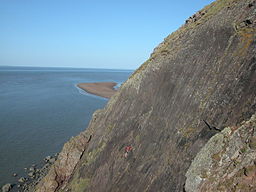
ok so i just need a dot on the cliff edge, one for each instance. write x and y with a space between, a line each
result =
203 71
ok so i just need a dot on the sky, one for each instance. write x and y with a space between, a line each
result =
111 34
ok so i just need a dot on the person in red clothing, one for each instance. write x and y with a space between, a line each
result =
127 150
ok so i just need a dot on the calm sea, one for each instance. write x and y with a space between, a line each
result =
40 109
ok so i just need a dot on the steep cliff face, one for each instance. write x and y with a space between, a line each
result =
203 71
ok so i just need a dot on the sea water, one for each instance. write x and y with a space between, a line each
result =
40 109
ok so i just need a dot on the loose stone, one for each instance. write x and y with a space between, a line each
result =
22 180
7 187
52 160
32 169
31 174
47 158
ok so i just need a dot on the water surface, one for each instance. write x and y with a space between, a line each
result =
40 109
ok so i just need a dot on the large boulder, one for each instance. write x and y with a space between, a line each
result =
227 162
7 187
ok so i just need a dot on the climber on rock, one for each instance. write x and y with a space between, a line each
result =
127 150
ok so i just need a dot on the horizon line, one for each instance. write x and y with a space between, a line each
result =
25 66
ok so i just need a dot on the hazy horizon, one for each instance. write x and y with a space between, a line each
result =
66 67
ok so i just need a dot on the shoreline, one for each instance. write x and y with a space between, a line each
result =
102 89
34 173
31 176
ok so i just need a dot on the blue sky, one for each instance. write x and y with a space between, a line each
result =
87 33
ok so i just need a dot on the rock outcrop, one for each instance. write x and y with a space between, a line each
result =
227 162
203 71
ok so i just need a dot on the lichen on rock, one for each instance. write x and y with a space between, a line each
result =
235 167
63 168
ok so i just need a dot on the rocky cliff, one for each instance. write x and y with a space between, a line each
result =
227 162
203 71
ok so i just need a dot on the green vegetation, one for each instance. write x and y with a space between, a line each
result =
187 132
243 150
91 156
140 69
217 156
110 128
247 36
252 143
78 183
216 7
137 139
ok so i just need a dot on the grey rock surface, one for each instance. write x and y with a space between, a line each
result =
22 180
7 187
226 163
